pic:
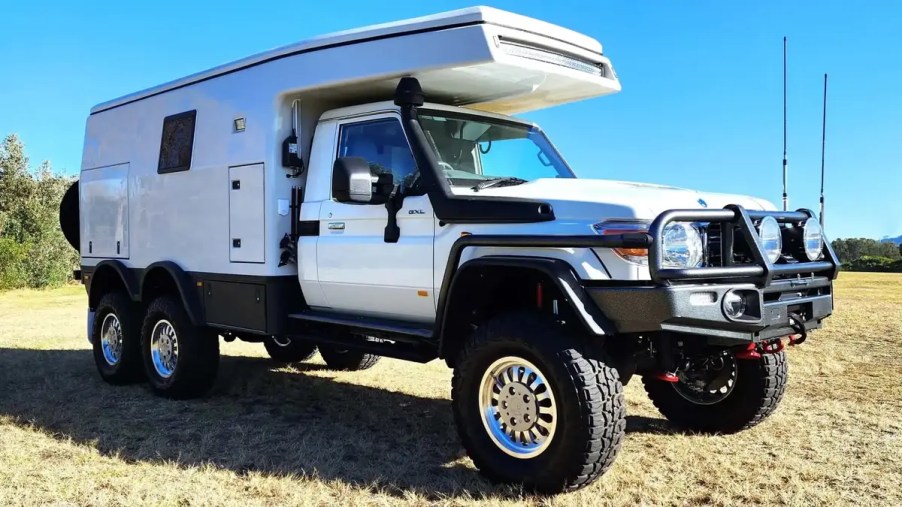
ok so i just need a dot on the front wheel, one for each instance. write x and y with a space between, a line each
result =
338 358
289 349
535 406
722 394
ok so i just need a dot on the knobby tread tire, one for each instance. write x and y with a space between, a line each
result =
129 369
198 352
760 385
588 392
347 360
296 351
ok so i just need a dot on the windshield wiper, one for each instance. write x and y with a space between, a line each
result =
498 182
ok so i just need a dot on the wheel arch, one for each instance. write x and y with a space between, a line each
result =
166 277
488 285
111 275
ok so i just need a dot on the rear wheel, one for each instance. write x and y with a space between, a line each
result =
535 406
116 339
338 358
722 394
181 359
289 349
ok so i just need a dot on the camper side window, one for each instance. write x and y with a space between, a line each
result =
383 144
177 142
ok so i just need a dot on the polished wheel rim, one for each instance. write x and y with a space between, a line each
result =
111 339
708 381
517 406
164 348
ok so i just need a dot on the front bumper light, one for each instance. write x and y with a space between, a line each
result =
771 238
812 239
682 245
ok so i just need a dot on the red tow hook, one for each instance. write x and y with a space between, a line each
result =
749 352
795 339
667 377
752 351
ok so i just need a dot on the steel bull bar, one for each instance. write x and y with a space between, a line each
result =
782 298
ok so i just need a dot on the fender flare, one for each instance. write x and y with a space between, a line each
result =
556 270
128 278
185 285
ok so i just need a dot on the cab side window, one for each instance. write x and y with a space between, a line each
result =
383 144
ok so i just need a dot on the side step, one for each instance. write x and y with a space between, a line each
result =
402 330
398 339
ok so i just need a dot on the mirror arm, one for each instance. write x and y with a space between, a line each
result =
394 204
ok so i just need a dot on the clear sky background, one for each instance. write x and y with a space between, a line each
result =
700 107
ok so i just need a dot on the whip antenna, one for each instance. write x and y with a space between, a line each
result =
823 144
785 168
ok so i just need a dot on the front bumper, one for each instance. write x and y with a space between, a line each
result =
698 309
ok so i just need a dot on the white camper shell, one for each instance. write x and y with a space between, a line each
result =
367 194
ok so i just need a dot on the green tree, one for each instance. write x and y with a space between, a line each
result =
33 251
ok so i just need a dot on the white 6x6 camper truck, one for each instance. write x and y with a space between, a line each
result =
367 194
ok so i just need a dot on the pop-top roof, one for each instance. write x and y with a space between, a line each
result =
453 19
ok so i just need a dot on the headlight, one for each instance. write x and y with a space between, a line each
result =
771 238
812 239
682 246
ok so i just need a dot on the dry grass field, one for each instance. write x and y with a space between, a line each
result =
310 436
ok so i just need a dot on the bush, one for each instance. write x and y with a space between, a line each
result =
33 250
12 264
877 264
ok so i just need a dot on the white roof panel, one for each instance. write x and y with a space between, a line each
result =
446 20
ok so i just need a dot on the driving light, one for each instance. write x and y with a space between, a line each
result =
812 239
682 246
734 305
771 238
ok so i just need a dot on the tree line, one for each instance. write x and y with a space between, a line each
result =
34 253
864 254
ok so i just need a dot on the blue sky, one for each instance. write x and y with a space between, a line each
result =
700 107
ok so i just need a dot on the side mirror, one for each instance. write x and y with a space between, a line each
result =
354 181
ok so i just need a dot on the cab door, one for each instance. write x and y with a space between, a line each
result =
358 271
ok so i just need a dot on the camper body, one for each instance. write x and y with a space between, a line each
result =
309 198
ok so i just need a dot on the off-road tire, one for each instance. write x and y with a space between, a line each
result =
347 359
760 384
129 368
295 351
198 352
588 393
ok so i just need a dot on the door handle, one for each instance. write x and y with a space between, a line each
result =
336 226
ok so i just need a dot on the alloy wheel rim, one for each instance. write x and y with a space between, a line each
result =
517 407
164 348
697 393
111 339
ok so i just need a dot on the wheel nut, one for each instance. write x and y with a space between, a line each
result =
525 398
526 417
512 390
513 420
503 404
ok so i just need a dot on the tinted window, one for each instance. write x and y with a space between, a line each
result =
177 143
383 144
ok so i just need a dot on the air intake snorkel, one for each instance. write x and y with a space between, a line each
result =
448 207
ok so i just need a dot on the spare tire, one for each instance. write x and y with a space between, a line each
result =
69 222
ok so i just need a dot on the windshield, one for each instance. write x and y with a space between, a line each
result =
480 152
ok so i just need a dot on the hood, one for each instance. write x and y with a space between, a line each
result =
578 198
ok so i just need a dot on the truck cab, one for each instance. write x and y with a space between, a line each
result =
398 208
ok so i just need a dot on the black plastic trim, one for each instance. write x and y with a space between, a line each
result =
308 228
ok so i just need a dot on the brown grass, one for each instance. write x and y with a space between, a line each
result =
310 436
